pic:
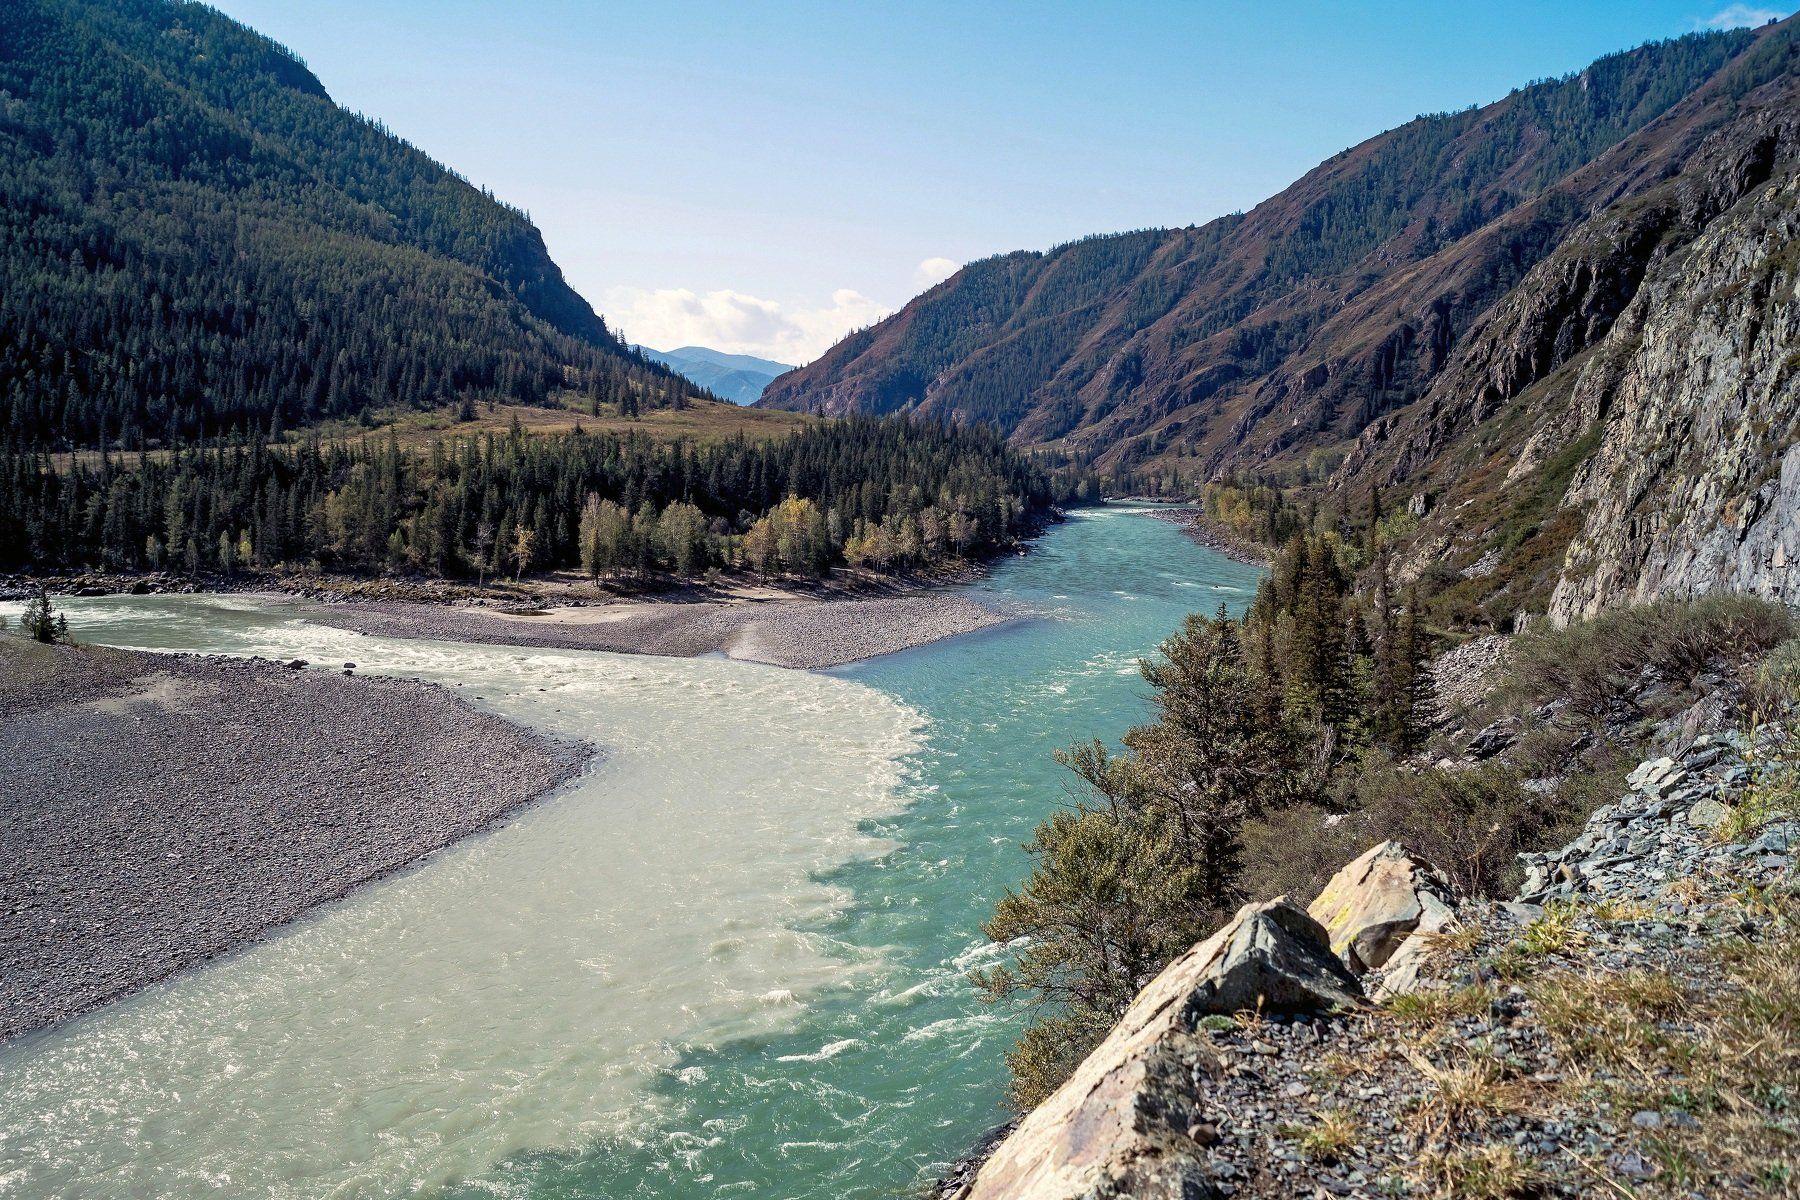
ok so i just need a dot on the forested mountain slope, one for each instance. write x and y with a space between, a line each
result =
196 240
1559 334
1262 336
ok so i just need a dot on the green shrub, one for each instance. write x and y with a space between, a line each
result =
1593 663
1468 822
1294 851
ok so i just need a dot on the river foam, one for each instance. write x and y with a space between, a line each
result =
520 992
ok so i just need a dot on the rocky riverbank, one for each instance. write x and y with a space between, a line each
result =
799 625
1202 532
1628 1025
164 809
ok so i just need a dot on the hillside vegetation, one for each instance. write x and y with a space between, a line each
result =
1135 344
197 241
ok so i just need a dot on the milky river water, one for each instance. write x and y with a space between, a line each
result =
730 960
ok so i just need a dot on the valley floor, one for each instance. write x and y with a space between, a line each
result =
163 809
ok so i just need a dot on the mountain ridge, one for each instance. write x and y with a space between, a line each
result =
205 243
1476 341
1108 338
739 378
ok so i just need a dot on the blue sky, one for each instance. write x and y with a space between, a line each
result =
764 177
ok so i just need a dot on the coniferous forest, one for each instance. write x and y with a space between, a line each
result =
885 493
197 242
205 257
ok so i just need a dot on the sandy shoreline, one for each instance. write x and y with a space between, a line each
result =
160 810
787 631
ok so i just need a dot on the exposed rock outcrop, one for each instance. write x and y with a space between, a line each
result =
1495 1077
1270 958
1124 1125
1695 486
1382 913
1464 675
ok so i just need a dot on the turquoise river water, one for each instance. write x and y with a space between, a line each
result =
730 960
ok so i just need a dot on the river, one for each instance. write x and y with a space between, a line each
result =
730 960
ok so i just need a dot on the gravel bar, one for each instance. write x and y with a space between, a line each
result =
799 633
159 810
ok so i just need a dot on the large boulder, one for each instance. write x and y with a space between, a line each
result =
1270 958
1381 913
1121 1124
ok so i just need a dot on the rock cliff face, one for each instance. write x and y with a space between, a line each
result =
1619 428
1695 486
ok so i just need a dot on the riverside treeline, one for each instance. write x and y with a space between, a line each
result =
891 493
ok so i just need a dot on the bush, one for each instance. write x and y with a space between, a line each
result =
1594 663
1468 822
1295 851
43 623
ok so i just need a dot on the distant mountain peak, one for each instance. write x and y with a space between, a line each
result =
739 378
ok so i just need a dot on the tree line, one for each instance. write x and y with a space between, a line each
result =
887 492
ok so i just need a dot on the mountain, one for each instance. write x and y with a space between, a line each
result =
1195 339
739 378
197 240
1556 328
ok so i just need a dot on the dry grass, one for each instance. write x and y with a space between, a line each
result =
1554 932
1461 938
1465 1095
1726 1056
1609 1018
1612 909
1482 1173
701 422
1684 891
1333 1132
1433 1006
1337 1066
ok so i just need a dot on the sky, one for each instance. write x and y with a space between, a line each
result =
764 178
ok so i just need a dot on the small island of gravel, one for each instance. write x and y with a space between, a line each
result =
765 626
159 810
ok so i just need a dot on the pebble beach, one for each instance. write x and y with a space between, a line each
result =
161 810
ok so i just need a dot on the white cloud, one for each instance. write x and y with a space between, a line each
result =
737 323
1740 16
934 271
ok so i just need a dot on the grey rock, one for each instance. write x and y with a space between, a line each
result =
1272 958
1777 839
1494 739
1631 1165
1707 814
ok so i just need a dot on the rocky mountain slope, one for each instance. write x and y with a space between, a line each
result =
1332 302
1626 1026
1559 328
